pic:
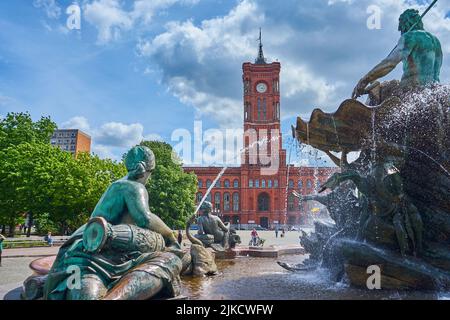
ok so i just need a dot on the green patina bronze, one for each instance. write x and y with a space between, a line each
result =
418 50
212 231
401 219
125 251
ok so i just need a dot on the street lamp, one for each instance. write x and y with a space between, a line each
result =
218 213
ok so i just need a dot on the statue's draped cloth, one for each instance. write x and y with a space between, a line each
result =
110 265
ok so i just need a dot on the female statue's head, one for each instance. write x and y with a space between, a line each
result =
140 162
408 19
206 208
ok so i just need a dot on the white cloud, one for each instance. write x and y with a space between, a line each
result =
51 8
201 63
111 139
112 19
108 17
78 122
119 134
324 47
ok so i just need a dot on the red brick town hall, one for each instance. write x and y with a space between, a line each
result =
249 195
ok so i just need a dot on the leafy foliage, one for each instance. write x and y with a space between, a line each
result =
171 190
57 188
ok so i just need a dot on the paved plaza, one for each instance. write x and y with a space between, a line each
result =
16 262
290 238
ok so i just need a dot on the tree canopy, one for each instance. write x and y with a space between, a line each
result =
171 190
61 190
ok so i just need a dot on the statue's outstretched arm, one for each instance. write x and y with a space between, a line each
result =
137 204
382 69
222 225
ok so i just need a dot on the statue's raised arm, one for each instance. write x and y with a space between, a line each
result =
419 50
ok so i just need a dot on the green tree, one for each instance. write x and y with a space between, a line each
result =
27 175
17 128
171 190
57 188
94 175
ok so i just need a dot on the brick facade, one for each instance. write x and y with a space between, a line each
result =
71 140
252 194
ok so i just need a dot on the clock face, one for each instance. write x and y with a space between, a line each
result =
261 87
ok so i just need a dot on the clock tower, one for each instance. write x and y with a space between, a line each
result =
259 192
263 167
261 82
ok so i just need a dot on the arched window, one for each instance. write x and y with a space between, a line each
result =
264 109
256 183
208 183
226 183
269 184
250 183
263 183
236 183
300 184
259 109
218 185
226 201
200 184
263 202
291 184
199 197
275 183
309 184
235 202
208 197
291 202
217 200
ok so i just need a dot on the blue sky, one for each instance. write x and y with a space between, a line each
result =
144 68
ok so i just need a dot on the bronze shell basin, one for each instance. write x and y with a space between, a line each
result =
42 266
346 129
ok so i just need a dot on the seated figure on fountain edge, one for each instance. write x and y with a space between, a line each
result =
124 251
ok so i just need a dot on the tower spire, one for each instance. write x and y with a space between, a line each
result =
260 59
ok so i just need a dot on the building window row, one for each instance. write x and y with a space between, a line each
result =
229 202
309 184
226 184
263 183
64 134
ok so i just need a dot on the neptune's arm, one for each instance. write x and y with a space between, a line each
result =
383 68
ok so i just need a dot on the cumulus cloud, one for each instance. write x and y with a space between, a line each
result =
78 122
324 47
112 19
108 17
51 8
111 139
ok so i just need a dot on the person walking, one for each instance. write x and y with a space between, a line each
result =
276 231
254 235
49 239
180 237
2 238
